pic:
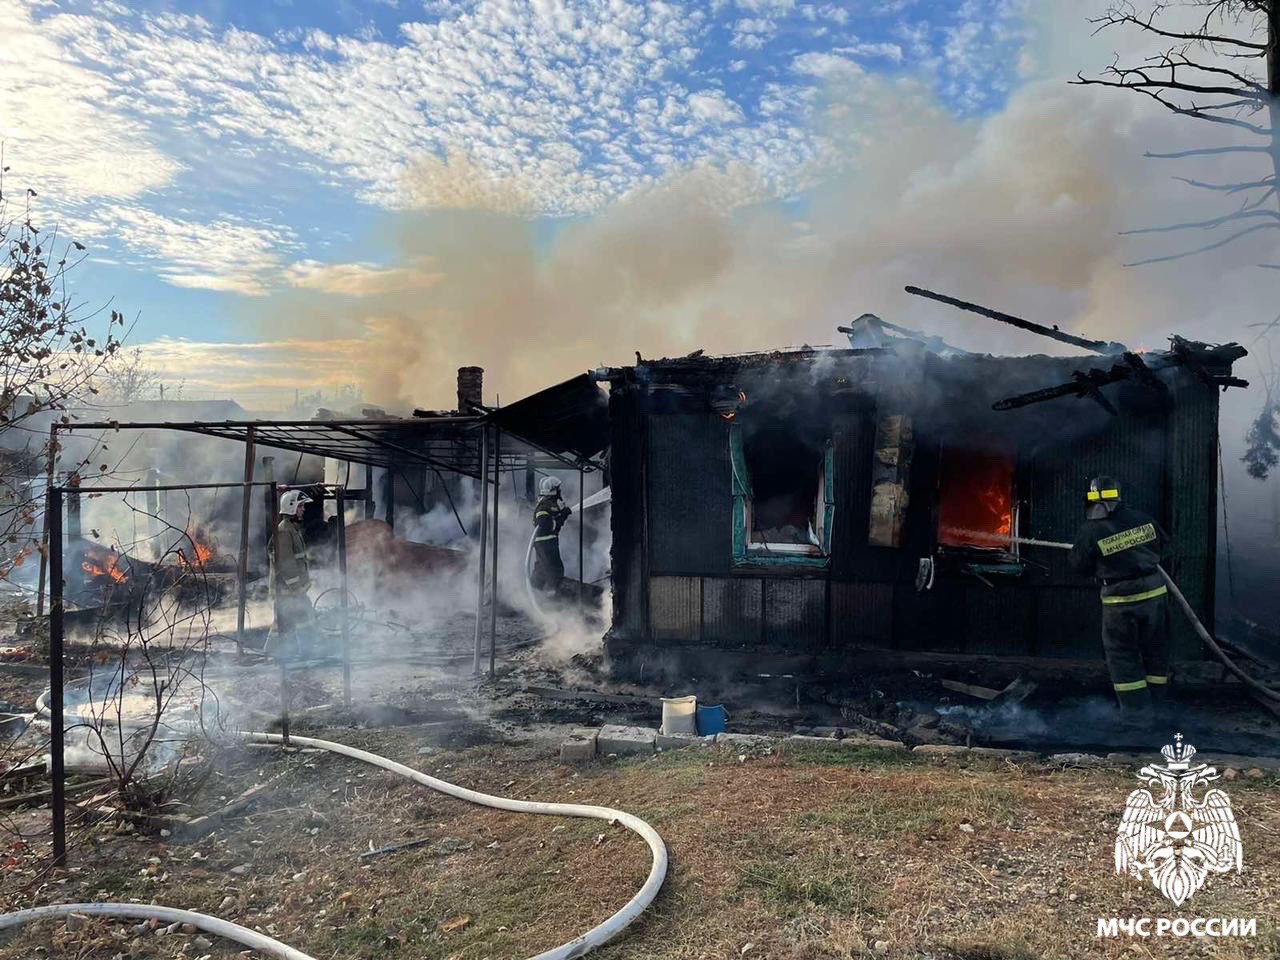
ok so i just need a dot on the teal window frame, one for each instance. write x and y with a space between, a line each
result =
743 554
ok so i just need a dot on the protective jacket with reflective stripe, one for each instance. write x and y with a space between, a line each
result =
292 572
1122 551
549 515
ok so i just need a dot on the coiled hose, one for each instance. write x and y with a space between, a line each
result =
595 937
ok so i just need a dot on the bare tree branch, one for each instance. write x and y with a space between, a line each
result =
1206 152
1229 187
1116 19
1206 248
1213 223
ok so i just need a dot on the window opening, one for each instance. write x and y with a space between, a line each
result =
976 506
783 493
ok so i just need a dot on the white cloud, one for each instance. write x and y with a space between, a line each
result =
65 130
827 66
488 81
889 51
263 371
714 107
361 279
220 254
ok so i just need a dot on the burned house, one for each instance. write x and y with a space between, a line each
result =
816 503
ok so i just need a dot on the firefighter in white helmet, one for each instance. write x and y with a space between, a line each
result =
291 574
549 515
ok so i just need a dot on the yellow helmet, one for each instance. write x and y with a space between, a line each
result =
1103 490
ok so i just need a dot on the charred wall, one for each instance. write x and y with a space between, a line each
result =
675 584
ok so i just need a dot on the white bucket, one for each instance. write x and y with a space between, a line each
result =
680 716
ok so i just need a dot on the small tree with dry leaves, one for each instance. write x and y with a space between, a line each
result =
49 359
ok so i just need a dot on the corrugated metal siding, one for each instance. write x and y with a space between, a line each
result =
861 614
1130 447
795 614
675 609
853 439
731 612
933 620
997 619
626 514
1068 623
690 521
1192 515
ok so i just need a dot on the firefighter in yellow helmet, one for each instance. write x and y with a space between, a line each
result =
549 515
291 576
1121 547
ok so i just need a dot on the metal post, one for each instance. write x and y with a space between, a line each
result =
53 509
274 492
389 495
50 466
484 541
269 505
242 561
284 704
74 528
153 503
582 526
368 492
341 496
497 495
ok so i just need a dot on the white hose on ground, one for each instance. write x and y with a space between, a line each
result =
1259 690
142 911
595 937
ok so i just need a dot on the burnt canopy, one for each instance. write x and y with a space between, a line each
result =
568 419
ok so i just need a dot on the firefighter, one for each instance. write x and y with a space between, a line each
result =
549 515
1121 547
291 574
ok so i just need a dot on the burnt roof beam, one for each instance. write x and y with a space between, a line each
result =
1053 333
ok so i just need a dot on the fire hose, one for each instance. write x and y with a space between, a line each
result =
1268 697
593 938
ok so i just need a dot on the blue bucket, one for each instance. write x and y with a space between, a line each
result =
711 720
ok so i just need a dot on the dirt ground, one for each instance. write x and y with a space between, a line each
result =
800 854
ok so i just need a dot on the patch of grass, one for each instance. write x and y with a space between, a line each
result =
989 950
799 885
859 758
362 939
918 806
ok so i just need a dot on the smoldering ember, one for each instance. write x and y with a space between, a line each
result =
757 479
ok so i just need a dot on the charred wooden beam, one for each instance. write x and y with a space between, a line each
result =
1053 333
1210 363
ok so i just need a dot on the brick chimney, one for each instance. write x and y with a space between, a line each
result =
470 388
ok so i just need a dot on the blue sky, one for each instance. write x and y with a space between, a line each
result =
216 155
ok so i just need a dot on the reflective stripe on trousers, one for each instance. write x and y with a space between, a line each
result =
1137 597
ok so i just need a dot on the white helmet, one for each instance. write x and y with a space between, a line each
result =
291 500
548 486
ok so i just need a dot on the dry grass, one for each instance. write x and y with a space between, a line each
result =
803 856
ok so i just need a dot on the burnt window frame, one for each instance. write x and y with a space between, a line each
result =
744 553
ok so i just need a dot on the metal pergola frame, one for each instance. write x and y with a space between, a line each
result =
374 442
57 724
471 446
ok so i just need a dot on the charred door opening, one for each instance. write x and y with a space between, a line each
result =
975 497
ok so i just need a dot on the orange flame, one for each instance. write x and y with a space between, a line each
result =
98 564
976 498
203 548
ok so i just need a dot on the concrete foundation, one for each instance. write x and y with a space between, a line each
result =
620 740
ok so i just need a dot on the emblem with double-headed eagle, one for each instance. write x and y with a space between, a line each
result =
1176 840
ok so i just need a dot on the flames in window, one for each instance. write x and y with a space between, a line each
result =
975 497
